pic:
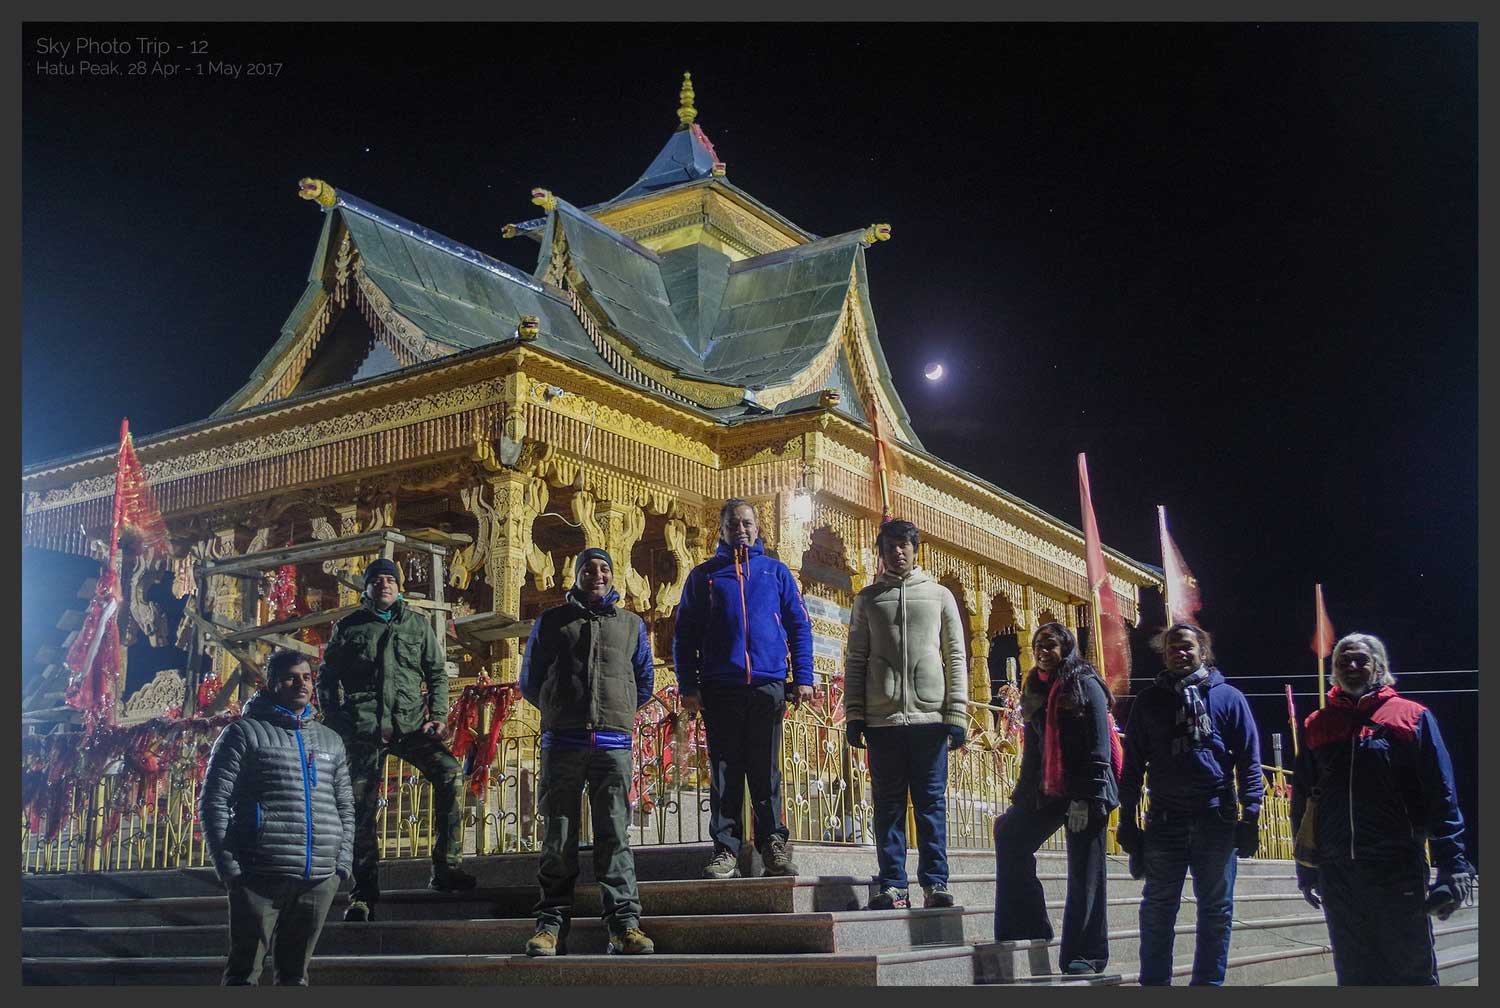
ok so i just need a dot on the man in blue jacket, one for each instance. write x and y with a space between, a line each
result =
741 615
1374 778
1193 734
278 819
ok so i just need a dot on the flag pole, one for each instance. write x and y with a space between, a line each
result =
1322 686
1098 629
1166 592
1291 715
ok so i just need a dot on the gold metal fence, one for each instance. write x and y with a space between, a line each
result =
825 789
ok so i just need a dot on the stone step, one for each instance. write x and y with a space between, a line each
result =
1457 956
929 967
667 897
653 863
1286 965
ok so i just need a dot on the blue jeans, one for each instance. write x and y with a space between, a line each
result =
1174 843
910 758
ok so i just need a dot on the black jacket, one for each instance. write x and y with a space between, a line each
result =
1088 772
276 798
588 667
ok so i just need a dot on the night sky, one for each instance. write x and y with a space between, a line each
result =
1236 264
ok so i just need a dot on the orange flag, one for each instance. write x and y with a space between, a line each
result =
1182 588
1322 640
1113 644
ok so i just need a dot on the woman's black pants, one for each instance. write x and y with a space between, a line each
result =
1020 903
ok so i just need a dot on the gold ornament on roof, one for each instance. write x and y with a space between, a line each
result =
686 113
876 232
317 189
720 169
528 327
509 231
829 398
544 199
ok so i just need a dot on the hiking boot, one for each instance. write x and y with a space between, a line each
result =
891 898
358 912
723 865
631 941
451 880
775 857
1081 967
936 895
543 943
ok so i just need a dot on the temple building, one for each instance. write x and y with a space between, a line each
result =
676 345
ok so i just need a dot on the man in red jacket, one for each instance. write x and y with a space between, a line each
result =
1381 785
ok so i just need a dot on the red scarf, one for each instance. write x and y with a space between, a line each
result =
1053 785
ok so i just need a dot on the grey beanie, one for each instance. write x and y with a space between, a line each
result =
591 553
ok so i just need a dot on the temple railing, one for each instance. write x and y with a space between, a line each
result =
825 790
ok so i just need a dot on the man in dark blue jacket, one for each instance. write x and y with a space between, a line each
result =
588 669
1193 734
1375 779
278 819
741 614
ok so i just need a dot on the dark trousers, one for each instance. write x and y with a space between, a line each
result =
1021 904
1378 923
606 772
914 759
433 761
744 747
1175 843
280 912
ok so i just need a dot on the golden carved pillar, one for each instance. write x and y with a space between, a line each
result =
226 601
616 527
1026 623
793 535
513 497
979 646
345 522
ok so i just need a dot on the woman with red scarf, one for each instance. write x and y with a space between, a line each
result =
1069 776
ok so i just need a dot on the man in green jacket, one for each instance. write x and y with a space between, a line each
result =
370 688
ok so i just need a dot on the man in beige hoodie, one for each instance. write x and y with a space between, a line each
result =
905 683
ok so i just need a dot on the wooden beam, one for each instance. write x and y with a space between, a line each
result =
383 541
285 626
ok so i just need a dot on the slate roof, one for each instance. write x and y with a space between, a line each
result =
749 325
686 157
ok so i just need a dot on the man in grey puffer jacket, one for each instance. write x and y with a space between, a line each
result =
906 696
278 819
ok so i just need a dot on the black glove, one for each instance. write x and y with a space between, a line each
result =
1127 833
855 730
1247 835
1451 891
957 735
1310 893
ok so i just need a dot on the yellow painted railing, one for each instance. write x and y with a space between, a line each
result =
825 789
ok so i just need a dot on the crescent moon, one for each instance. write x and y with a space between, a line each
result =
933 372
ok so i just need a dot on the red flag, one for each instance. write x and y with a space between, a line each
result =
1322 639
135 507
1113 644
1182 588
93 660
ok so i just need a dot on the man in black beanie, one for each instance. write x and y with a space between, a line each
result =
370 688
588 669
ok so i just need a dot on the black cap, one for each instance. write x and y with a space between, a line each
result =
382 566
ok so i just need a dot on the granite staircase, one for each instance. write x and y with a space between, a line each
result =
168 927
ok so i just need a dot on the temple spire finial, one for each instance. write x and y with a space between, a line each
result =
686 113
